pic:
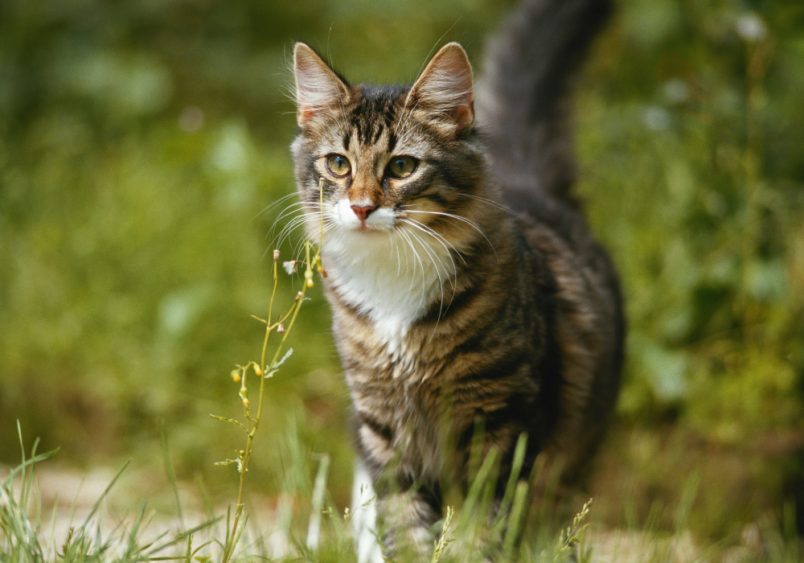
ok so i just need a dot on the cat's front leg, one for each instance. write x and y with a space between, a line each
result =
406 516
398 519
364 517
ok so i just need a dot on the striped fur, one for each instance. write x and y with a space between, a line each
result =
447 306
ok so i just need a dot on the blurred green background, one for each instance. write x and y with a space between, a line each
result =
143 144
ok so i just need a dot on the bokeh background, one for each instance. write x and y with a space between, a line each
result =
144 143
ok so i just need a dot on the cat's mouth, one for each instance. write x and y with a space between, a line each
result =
365 218
368 229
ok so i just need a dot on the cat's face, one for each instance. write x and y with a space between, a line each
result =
392 160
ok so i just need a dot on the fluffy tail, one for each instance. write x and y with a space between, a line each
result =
523 103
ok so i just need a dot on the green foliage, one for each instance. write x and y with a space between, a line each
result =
143 158
26 537
22 539
702 208
691 142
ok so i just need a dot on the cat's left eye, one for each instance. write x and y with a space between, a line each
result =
338 165
401 166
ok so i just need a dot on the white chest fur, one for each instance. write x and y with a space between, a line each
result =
392 276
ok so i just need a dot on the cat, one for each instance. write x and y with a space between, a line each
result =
466 289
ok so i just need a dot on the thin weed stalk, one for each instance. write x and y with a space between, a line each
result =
265 370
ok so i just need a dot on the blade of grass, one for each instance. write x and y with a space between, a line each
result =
515 521
171 474
516 470
184 535
478 486
319 488
108 488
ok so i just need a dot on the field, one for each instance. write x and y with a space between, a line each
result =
143 161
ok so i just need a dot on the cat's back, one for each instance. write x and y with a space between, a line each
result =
524 103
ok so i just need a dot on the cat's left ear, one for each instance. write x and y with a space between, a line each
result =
445 87
318 87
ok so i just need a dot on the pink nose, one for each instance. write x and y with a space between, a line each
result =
363 212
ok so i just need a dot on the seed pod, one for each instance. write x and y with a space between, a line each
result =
276 255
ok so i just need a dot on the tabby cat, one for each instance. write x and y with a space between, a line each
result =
464 283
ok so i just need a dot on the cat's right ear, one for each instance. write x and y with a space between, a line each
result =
445 88
318 88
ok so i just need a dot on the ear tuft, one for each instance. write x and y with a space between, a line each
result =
445 87
318 88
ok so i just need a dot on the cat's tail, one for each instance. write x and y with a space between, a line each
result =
523 100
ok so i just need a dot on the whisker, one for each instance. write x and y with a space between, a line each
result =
294 223
453 277
288 229
439 237
430 255
407 261
416 255
491 203
434 257
457 218
394 245
270 207
436 236
289 210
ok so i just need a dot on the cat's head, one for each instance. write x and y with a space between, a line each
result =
392 158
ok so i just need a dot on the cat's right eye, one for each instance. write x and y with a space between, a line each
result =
402 166
338 165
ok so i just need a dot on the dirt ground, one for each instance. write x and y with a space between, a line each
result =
67 498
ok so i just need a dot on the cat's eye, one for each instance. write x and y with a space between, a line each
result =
338 165
401 166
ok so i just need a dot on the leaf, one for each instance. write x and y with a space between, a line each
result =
238 462
229 420
274 367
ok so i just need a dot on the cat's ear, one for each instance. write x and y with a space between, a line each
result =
445 87
318 87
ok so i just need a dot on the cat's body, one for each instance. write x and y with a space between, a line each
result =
463 281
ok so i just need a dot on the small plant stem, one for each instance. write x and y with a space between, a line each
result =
270 312
264 370
254 423
321 207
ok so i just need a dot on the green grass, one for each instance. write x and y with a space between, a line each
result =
309 527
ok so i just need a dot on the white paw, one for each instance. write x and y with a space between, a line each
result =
364 518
